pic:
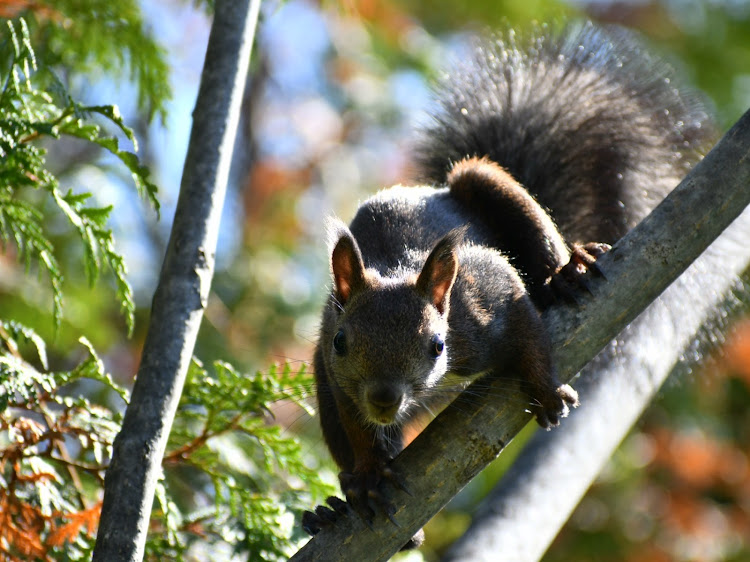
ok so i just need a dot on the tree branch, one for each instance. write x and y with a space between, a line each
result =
183 287
523 514
458 444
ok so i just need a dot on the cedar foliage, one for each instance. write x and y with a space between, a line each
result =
231 475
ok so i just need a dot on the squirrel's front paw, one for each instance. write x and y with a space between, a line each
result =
573 276
364 492
364 496
550 409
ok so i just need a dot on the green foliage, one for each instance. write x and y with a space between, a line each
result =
439 16
28 115
47 497
253 475
99 36
234 480
712 41
225 449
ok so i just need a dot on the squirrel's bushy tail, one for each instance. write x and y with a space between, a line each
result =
596 129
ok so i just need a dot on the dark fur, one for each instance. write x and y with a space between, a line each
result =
519 225
597 130
585 125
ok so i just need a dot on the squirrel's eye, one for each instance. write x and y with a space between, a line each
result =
438 344
339 342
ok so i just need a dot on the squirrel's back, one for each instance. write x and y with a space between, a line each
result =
593 127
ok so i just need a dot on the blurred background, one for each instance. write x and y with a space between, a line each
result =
336 92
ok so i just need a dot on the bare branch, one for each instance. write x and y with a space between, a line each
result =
183 287
458 444
520 518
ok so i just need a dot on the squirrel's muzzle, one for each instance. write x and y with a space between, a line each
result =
383 402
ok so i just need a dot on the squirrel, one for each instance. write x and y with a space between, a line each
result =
543 151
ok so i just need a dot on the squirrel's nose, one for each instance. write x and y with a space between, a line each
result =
384 396
383 402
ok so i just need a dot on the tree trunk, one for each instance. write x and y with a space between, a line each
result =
184 283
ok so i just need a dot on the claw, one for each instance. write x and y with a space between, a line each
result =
373 506
553 404
363 497
395 479
368 522
571 278
310 523
338 505
326 514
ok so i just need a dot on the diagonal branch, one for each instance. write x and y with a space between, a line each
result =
457 445
183 288
523 514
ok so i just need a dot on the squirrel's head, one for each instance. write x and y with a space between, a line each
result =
384 338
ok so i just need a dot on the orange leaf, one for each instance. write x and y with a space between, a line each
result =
737 350
76 520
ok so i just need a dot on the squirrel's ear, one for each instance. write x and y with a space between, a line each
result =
347 267
439 271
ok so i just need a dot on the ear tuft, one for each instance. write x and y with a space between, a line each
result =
440 269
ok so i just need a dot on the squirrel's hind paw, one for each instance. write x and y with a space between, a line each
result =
568 281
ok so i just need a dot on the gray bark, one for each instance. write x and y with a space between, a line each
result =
458 444
519 519
184 283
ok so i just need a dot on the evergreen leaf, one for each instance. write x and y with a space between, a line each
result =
108 37
223 430
28 114
11 332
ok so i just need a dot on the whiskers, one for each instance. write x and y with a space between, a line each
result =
425 402
389 435
295 405
336 302
467 396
